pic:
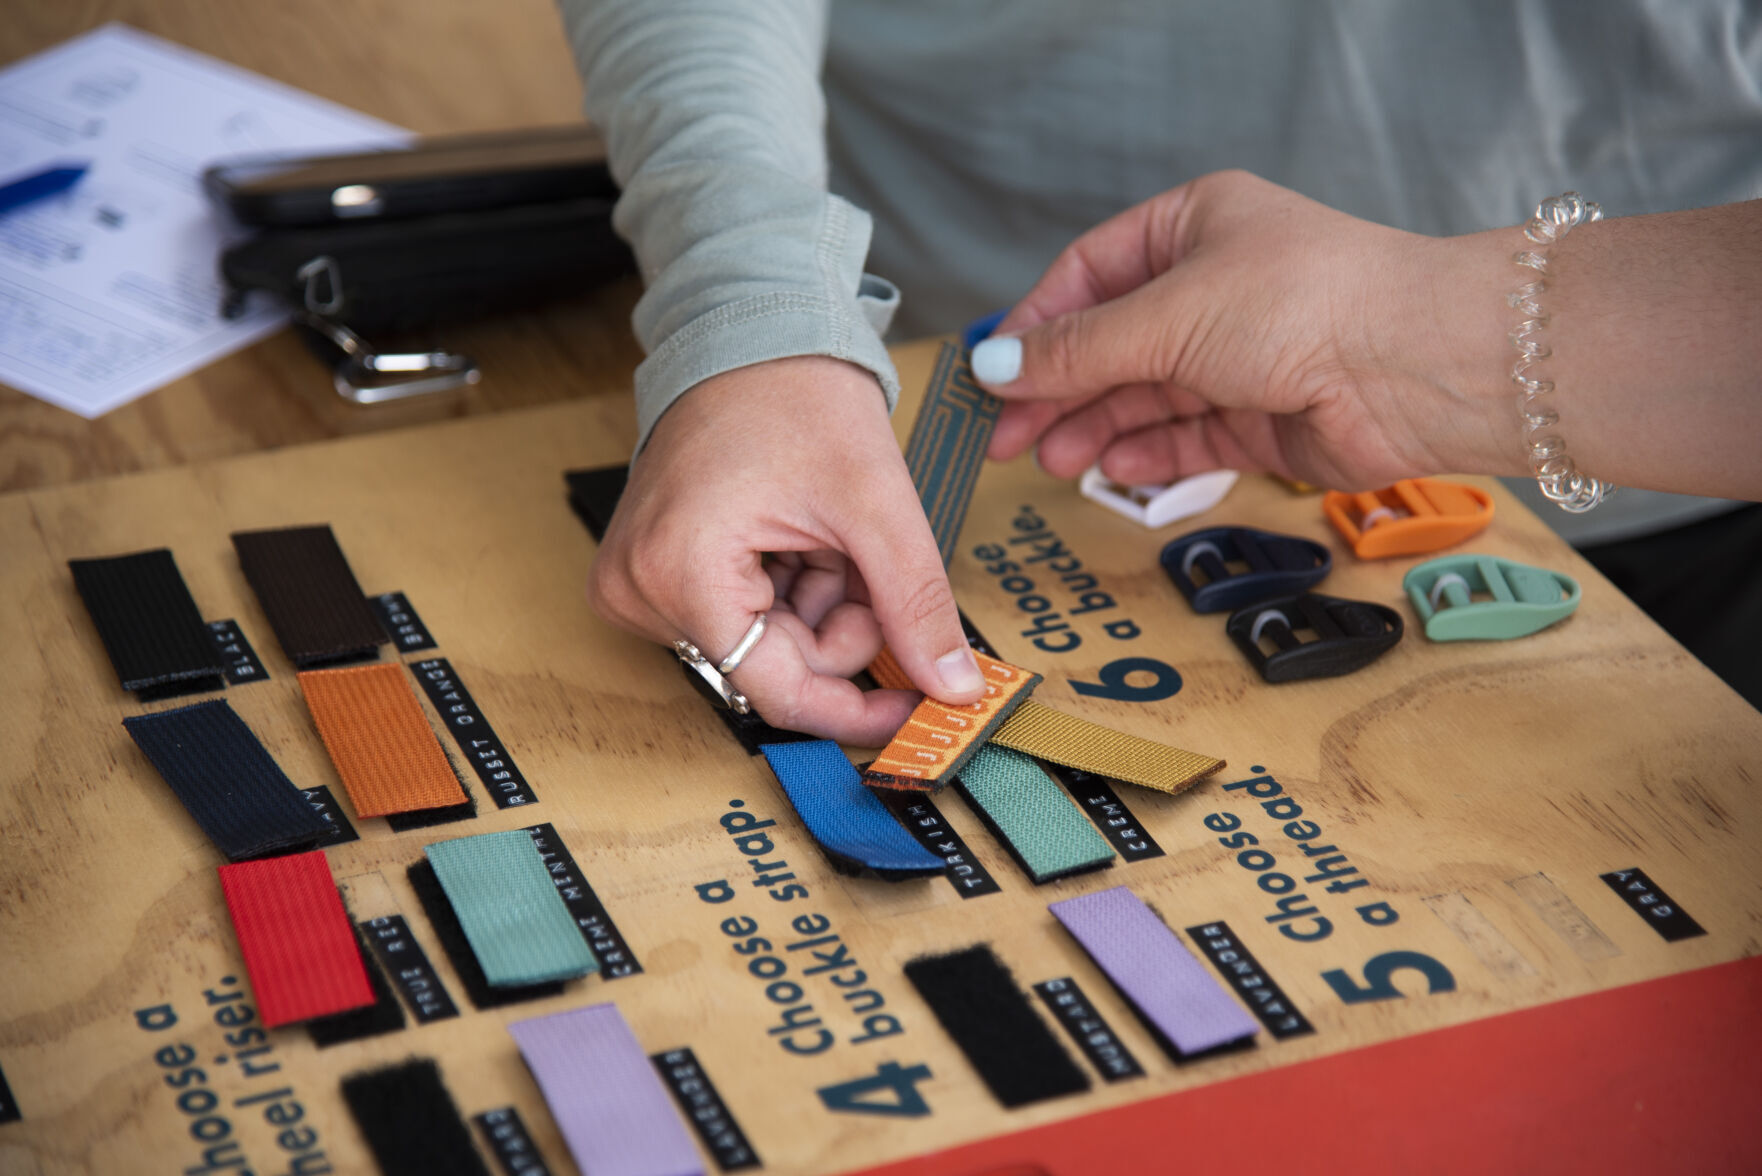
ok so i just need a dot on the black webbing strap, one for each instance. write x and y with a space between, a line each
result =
310 596
410 1122
227 781
149 624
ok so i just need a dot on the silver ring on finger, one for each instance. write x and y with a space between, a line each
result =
745 646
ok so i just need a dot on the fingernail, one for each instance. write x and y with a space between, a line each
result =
997 360
959 672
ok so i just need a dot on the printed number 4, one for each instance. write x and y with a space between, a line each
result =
1379 983
861 1094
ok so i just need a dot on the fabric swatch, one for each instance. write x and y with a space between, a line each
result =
995 1026
615 1114
848 820
1059 738
517 924
299 946
380 741
410 1121
244 802
926 753
451 934
149 624
1037 819
1173 992
946 449
384 1015
310 595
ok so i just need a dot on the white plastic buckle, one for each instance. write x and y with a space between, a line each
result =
1158 506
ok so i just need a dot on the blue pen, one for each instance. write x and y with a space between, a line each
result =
40 186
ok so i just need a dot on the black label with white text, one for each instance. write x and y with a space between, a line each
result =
1102 805
486 754
703 1107
924 821
401 623
238 661
1264 998
510 1143
1661 912
325 805
602 935
407 965
1093 1035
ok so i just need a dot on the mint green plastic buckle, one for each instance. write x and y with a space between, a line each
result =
1517 599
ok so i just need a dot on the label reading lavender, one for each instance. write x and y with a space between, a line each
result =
1264 998
510 1143
239 662
407 965
1649 901
488 758
704 1108
602 935
325 805
924 821
1102 804
1093 1035
401 623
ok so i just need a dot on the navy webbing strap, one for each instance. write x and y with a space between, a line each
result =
148 623
227 781
310 596
848 821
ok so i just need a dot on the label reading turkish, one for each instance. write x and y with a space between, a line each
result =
924 821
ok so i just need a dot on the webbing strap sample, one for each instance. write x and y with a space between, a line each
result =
227 781
299 946
379 740
1052 735
514 919
848 820
410 1122
615 1114
310 596
929 750
1049 834
1147 962
458 948
995 1026
148 622
384 1015
946 449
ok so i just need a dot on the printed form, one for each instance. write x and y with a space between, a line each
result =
112 289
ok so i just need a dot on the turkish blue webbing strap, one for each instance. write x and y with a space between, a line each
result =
848 820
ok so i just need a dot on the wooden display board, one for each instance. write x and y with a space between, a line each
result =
1478 791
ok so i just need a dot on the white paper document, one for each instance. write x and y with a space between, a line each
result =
112 289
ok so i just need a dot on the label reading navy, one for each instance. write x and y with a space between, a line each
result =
1264 998
324 804
401 623
488 758
1093 1035
510 1143
924 821
407 965
1661 912
701 1104
238 661
602 935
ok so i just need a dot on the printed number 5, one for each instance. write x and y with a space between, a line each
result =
1378 977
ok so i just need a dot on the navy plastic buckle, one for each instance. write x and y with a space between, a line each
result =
1348 635
1276 565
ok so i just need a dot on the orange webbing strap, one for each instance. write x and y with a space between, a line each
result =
379 740
1051 735
929 750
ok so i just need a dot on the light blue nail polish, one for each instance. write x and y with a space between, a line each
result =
997 360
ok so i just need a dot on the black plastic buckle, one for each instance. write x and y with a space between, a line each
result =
1348 635
1276 565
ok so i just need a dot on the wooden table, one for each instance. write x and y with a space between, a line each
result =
1478 789
435 66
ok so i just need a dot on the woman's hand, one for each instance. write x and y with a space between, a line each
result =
779 488
1231 323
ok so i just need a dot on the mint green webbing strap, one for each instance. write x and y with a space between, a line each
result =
519 929
1050 834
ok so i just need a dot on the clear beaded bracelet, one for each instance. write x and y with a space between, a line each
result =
1561 480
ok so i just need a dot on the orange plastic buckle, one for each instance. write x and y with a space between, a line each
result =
1414 516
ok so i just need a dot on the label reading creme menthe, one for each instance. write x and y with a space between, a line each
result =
608 943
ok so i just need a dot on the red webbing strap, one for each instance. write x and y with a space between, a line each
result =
298 943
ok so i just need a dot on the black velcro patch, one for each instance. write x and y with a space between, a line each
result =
410 1121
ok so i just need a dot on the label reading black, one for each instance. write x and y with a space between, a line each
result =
1096 797
239 662
709 1115
401 623
923 820
488 758
1093 1035
9 1112
325 805
1649 901
407 966
510 1144
609 947
1264 998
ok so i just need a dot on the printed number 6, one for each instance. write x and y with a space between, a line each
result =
1113 682
1378 971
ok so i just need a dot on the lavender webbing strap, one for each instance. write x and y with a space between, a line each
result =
1151 967
604 1094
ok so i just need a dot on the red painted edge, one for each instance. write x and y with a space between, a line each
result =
1660 1076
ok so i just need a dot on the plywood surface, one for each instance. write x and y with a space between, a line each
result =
1478 789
